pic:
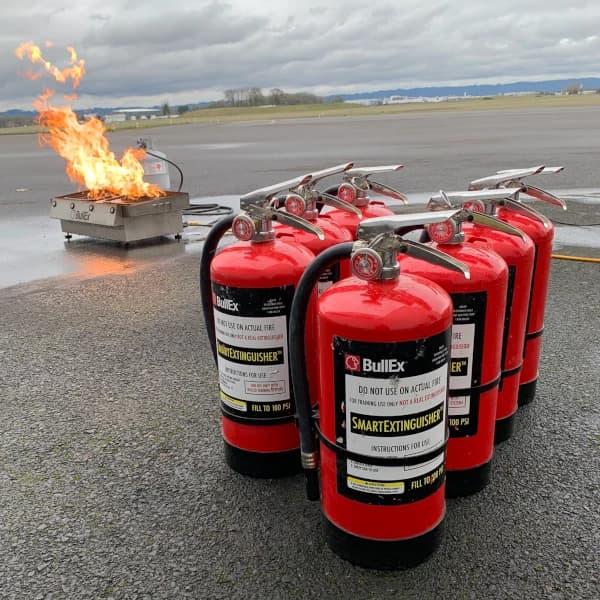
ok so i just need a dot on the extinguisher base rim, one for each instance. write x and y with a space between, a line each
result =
381 554
263 465
527 392
504 429
466 482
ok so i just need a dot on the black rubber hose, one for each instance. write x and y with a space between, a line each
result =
298 368
217 231
171 163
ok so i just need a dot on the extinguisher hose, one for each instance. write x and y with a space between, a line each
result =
208 252
298 367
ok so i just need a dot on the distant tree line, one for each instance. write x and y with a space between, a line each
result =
15 121
254 96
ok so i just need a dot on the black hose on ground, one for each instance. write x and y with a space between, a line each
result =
298 367
208 252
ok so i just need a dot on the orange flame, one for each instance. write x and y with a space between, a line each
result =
75 72
84 145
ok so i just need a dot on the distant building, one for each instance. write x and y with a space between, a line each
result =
365 101
132 114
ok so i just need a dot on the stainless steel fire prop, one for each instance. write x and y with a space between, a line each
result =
118 218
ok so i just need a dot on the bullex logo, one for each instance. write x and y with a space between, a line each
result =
80 215
385 365
226 303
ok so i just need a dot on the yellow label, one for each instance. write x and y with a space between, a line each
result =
230 400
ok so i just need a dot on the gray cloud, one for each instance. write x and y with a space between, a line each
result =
149 51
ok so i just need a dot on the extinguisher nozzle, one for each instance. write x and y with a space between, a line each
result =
312 484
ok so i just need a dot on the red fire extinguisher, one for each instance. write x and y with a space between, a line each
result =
518 255
479 305
384 347
246 291
302 202
355 190
540 229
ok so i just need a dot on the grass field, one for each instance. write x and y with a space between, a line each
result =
258 113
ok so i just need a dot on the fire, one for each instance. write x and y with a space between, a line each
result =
84 146
75 72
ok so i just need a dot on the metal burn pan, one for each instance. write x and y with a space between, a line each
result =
119 218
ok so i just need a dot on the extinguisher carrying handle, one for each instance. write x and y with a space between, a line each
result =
298 366
366 172
213 238
316 176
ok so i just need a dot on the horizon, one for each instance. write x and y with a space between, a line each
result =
356 95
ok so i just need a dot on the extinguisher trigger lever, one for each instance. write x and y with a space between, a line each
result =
543 195
524 209
491 222
431 255
334 201
386 190
297 222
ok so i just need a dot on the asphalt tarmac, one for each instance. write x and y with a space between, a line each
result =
112 480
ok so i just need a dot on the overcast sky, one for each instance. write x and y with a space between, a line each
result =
142 52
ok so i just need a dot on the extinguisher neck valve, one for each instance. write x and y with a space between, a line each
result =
359 178
369 229
450 231
482 201
378 259
255 224
305 195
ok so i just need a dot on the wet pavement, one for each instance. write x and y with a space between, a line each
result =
34 248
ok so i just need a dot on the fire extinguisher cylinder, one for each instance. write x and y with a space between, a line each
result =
247 308
518 253
383 348
541 231
479 305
